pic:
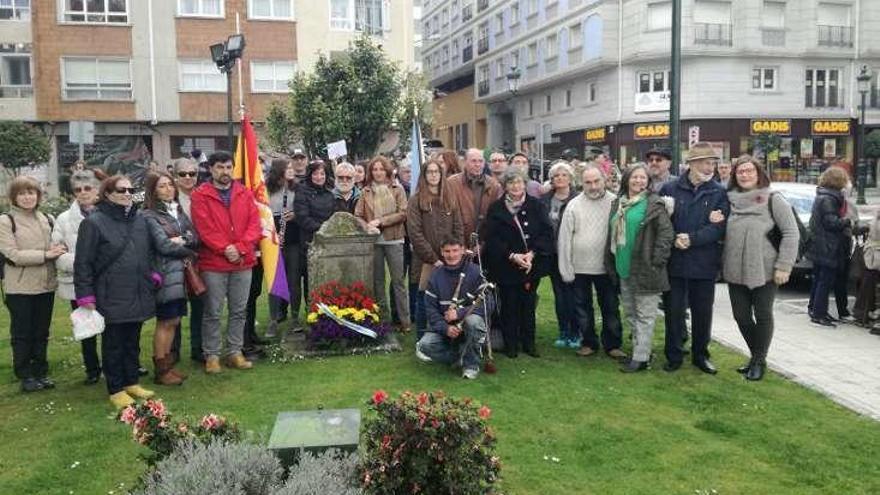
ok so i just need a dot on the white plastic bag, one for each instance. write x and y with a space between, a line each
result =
86 323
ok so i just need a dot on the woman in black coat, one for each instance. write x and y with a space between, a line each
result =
830 232
313 205
113 273
519 244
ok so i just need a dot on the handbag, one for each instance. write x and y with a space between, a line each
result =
195 286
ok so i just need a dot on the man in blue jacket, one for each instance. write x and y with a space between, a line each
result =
456 322
701 208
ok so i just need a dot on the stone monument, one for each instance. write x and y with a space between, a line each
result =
314 431
342 250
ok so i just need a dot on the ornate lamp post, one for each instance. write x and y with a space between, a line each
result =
513 80
864 86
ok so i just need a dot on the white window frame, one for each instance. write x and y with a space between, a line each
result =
578 30
651 77
764 18
202 63
201 9
347 23
514 59
840 92
532 55
551 42
763 78
17 9
531 8
275 79
350 22
63 13
499 23
499 68
514 13
483 74
97 60
29 56
648 26
272 16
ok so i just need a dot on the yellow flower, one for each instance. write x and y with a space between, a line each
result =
358 316
312 318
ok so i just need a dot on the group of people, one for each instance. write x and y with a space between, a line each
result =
474 239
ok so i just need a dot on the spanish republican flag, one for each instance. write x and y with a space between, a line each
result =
248 171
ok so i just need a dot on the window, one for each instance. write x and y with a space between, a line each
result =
200 8
446 55
514 13
271 77
16 10
653 82
533 54
499 23
531 107
366 16
514 58
444 17
270 9
96 79
823 88
834 14
548 102
575 36
773 15
15 75
552 46
341 15
531 7
567 98
201 75
99 11
499 68
711 12
591 93
659 15
764 79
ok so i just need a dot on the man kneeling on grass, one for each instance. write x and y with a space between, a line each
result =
456 318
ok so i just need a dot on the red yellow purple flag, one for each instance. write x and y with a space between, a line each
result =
248 171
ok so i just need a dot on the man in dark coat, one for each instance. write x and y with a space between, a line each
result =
701 208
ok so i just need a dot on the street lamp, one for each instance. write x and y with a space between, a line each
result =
513 80
224 55
864 85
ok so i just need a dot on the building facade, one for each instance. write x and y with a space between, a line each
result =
594 76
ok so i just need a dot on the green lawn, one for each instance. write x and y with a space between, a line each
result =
649 433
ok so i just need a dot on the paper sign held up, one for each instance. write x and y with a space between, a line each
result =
336 149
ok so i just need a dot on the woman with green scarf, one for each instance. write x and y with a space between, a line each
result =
639 243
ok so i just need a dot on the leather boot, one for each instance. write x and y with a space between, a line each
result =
756 371
163 375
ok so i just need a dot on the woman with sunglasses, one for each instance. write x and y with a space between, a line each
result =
186 176
84 185
112 272
175 240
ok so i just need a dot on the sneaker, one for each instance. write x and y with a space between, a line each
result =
470 373
31 385
822 322
616 354
585 351
421 356
574 344
560 343
846 319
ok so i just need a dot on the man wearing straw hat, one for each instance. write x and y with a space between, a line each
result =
701 208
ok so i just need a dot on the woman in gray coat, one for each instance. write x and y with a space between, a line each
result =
760 249
175 241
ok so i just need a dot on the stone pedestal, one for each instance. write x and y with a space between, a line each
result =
343 251
314 431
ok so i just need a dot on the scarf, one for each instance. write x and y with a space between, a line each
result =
171 209
384 203
618 229
512 205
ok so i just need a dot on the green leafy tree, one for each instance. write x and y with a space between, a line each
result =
21 145
872 144
355 97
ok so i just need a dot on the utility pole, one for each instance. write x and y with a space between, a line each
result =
675 88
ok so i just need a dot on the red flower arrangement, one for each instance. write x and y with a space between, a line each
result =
347 302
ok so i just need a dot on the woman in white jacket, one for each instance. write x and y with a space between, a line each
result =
85 189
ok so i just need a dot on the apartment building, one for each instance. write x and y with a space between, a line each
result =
595 75
142 70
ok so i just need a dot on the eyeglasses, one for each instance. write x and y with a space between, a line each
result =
123 190
187 174
746 171
77 190
432 172
344 178
498 160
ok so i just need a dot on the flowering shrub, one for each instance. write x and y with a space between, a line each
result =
428 443
348 302
152 426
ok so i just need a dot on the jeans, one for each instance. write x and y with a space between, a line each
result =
753 312
606 293
29 318
518 317
563 297
641 313
465 349
823 284
699 296
421 316
393 254
89 348
223 286
120 348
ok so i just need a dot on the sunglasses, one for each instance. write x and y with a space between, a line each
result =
77 190
123 190
187 174
344 178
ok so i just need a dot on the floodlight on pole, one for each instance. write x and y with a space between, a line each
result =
224 56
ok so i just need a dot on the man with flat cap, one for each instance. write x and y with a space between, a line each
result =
659 160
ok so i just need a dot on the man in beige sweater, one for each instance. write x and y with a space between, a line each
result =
583 236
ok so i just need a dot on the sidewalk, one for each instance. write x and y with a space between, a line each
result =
842 363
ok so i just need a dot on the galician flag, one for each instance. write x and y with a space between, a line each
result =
248 170
416 155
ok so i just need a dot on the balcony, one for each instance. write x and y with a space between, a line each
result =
482 5
483 88
713 34
482 46
835 36
16 91
467 53
772 37
467 13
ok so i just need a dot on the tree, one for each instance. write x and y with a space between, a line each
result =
872 144
21 145
354 97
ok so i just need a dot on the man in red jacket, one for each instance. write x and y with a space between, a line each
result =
228 223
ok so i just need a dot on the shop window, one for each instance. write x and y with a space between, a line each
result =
822 88
764 79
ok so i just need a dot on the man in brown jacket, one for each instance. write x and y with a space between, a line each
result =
473 192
